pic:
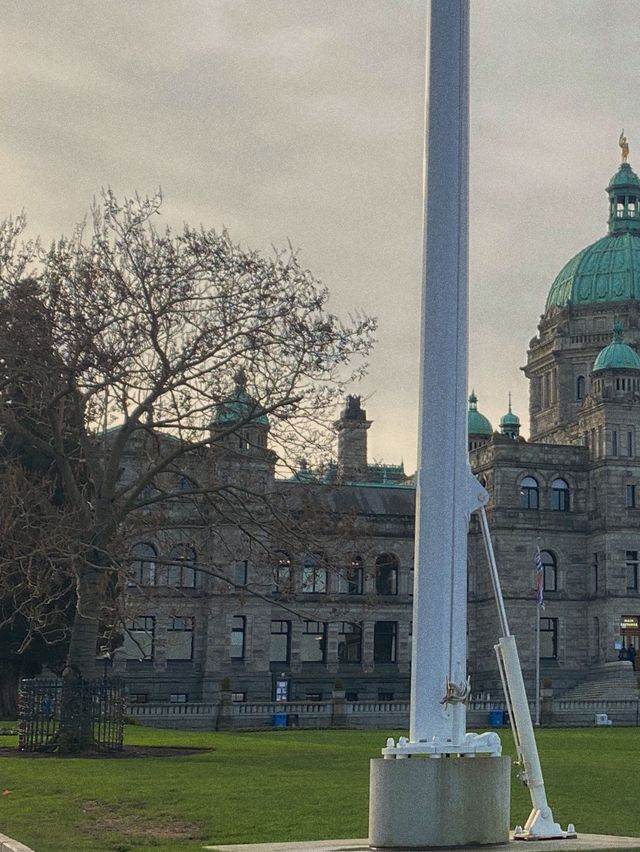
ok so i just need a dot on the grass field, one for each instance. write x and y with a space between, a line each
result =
276 785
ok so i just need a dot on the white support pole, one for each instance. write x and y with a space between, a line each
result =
537 663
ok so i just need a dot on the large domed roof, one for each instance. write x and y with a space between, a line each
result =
609 269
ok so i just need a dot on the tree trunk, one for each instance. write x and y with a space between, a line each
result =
76 707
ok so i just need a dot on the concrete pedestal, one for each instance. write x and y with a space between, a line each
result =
450 801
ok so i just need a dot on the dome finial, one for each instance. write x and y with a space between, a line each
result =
624 146
473 401
240 379
510 412
617 331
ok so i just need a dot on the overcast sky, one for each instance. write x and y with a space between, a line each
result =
302 120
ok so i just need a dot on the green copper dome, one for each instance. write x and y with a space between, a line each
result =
609 269
239 406
477 423
617 355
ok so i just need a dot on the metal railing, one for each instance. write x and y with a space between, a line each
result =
58 716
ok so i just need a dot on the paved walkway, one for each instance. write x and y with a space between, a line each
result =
582 842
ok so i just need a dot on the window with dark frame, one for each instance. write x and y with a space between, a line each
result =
179 572
550 568
384 641
314 574
350 578
240 572
548 638
529 493
143 565
560 496
139 638
631 496
632 570
282 573
180 638
387 574
280 648
238 637
350 643
313 642
596 572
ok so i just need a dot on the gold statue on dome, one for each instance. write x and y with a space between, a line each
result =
624 145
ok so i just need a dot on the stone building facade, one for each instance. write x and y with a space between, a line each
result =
289 621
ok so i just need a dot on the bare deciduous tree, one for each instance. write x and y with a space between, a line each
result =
116 346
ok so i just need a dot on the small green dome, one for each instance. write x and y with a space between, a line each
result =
609 269
477 423
617 355
509 419
239 406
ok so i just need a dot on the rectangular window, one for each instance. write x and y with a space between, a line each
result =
383 695
548 638
631 496
280 642
629 444
384 641
314 576
238 630
313 642
139 638
350 643
614 443
180 639
313 697
138 698
351 695
240 572
179 572
596 573
282 573
238 697
179 697
632 570
350 579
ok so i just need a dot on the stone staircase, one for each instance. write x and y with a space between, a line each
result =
609 682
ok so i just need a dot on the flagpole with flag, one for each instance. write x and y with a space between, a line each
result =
539 605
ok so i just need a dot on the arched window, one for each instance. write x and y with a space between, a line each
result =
143 565
580 387
550 569
387 574
560 496
179 571
529 493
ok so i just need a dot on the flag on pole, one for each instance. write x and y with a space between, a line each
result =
539 578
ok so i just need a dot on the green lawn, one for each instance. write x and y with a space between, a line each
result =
276 785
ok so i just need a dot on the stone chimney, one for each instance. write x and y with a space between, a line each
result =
352 441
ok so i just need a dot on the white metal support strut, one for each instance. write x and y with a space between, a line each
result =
540 824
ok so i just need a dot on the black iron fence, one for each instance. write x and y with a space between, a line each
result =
57 716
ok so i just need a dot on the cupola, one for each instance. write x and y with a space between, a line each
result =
479 428
510 423
618 355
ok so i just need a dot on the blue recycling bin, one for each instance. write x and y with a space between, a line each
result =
496 718
279 720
